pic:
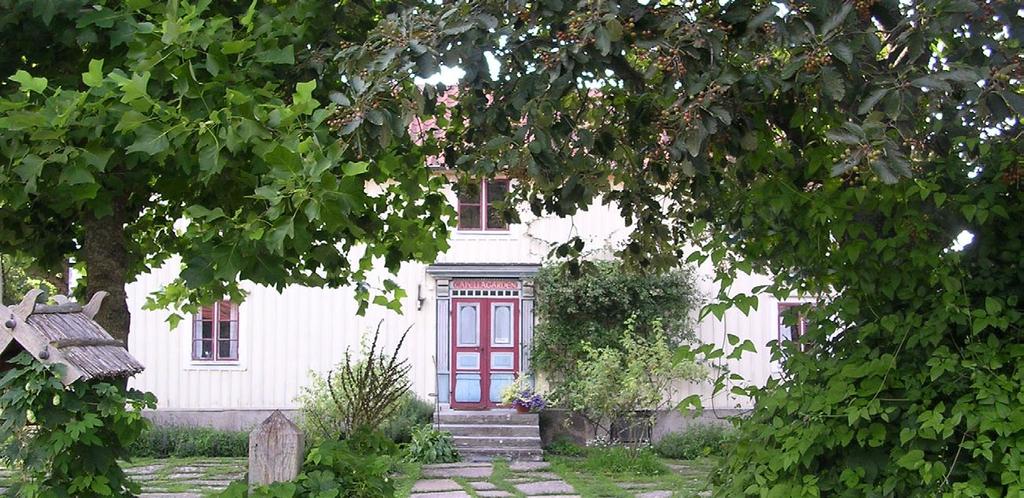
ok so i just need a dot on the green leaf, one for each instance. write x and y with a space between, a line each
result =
76 175
150 141
94 77
614 28
282 156
354 169
28 83
872 99
993 305
911 460
832 84
246 19
29 169
236 46
837 19
931 83
283 55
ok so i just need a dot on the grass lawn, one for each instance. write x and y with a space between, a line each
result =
686 478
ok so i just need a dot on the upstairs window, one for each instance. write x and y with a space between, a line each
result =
792 323
477 206
215 333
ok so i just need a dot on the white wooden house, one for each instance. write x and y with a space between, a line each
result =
471 313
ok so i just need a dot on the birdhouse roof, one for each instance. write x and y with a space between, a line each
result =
66 333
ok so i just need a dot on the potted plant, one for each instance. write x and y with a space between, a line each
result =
523 397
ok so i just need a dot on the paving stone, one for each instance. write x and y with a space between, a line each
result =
473 472
432 485
541 476
528 466
655 494
545 488
483 485
185 476
145 469
494 493
442 494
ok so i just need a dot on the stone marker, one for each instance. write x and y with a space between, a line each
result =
275 451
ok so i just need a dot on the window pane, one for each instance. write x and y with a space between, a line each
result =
502 324
497 190
470 194
228 310
207 330
205 349
469 216
207 313
468 325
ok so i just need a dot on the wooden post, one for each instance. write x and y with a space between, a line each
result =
275 451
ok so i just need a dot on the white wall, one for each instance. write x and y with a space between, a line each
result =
284 335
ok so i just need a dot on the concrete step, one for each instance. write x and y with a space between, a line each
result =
497 417
490 453
528 443
491 430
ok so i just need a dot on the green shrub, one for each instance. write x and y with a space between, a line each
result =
66 441
695 442
412 413
619 389
564 446
431 446
619 460
358 394
182 442
358 467
593 306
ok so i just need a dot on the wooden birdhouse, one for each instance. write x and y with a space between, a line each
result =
64 333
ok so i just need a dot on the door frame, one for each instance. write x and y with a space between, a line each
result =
485 346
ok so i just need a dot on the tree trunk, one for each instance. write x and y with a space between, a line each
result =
105 254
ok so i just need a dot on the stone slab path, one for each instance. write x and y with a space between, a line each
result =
497 479
191 478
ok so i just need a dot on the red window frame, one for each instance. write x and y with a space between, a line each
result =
800 327
211 348
484 205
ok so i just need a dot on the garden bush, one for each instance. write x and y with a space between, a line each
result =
593 306
183 442
619 460
620 389
367 393
695 442
431 446
67 440
413 412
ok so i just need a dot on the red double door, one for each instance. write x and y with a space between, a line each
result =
485 350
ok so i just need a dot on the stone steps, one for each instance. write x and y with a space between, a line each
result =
485 436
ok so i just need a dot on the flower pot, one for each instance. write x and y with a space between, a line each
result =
522 409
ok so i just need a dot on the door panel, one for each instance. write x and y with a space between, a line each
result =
485 350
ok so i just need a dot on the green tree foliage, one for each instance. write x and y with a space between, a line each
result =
131 132
593 305
66 441
841 147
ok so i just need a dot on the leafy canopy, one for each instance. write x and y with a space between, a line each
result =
210 125
842 147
